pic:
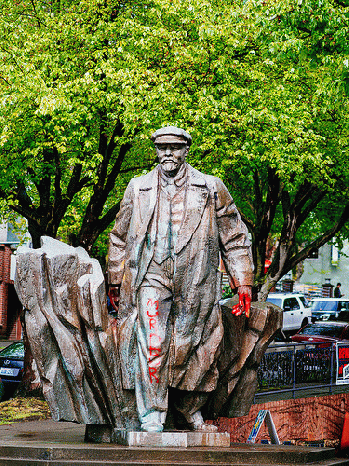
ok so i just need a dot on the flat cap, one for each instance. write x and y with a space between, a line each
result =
171 134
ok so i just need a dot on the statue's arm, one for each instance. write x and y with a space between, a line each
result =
118 238
235 247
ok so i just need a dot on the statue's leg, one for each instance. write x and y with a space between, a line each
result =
190 404
152 360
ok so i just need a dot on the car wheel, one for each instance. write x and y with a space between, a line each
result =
304 322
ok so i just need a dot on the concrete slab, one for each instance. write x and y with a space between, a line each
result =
208 439
151 439
172 439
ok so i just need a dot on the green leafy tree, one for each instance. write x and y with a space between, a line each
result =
72 102
272 121
261 86
289 169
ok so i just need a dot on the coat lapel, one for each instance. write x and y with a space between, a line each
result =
146 195
195 203
147 189
196 200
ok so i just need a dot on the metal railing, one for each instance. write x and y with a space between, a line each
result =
295 367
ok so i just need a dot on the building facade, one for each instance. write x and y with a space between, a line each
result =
329 265
10 307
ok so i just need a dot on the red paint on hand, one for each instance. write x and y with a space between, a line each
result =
244 305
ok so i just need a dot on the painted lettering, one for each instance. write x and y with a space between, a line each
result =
155 350
154 304
154 340
152 374
152 322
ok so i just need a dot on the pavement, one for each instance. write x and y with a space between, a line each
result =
47 431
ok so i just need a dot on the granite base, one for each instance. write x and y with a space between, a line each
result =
106 434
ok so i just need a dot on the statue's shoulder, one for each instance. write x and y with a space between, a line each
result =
145 181
212 182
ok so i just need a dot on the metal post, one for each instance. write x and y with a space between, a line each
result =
333 346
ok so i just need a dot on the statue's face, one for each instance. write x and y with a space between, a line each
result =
171 157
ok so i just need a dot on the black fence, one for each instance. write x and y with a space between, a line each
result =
297 367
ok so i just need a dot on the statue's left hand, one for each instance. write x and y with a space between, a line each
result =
245 298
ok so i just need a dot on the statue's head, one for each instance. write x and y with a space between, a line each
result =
172 146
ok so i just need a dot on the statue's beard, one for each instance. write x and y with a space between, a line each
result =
169 166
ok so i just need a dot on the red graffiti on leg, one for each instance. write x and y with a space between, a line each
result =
153 349
152 374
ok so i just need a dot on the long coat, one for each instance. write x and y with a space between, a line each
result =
211 228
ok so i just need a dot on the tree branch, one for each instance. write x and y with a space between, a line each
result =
320 241
107 218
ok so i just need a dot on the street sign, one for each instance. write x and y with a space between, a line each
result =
342 356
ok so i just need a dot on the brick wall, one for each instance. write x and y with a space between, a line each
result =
3 307
5 268
303 419
10 326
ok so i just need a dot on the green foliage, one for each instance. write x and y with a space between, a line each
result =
282 128
262 86
72 102
227 292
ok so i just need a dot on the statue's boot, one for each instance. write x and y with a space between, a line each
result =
152 422
196 422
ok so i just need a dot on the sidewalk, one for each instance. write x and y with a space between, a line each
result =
62 443
47 431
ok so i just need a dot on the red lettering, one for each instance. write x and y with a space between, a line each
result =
155 303
153 349
152 372
152 322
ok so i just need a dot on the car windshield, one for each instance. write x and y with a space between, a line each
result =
323 330
326 306
276 301
15 350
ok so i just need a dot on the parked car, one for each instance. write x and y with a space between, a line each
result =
2 390
297 312
11 365
323 332
330 309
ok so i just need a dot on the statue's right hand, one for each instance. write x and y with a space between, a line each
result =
114 296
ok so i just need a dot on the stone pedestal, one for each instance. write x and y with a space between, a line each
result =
183 439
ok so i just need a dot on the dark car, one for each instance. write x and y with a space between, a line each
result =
329 309
2 390
11 365
323 332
